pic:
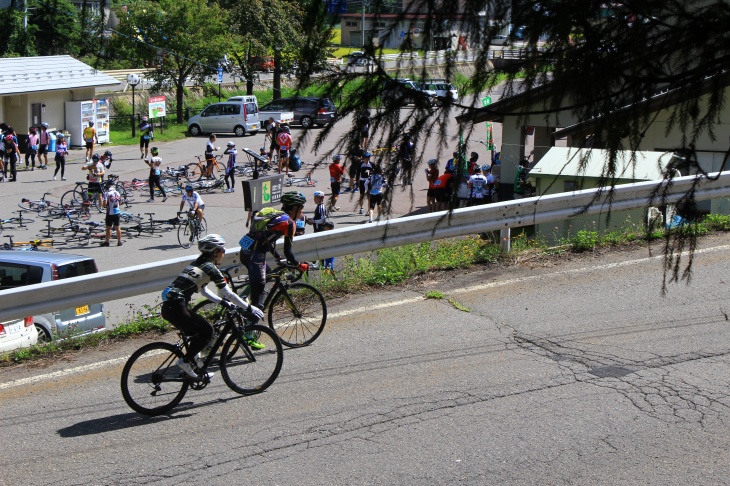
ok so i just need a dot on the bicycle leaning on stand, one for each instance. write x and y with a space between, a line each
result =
152 383
295 310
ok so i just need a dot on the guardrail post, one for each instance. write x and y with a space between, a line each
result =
504 240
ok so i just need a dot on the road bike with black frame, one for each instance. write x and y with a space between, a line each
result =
151 226
152 382
80 197
191 229
43 207
17 222
295 310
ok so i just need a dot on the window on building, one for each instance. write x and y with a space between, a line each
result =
350 23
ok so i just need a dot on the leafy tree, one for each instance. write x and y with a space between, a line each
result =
56 27
181 39
14 40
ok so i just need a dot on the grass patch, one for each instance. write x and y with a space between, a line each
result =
459 306
143 323
434 294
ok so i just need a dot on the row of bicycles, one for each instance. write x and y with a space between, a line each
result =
152 383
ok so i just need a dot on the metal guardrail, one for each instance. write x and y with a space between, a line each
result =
153 277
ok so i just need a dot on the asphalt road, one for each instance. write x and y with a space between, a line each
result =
224 212
570 371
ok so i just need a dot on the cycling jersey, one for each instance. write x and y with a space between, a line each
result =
191 200
89 133
61 149
284 141
96 170
209 149
112 198
478 184
336 172
256 241
155 164
365 169
376 184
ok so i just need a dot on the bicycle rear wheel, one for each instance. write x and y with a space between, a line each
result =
152 383
246 370
298 314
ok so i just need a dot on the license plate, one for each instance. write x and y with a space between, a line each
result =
14 328
84 309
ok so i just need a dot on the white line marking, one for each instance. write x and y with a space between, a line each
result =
385 305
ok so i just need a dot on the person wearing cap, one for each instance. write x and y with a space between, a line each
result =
337 171
194 201
32 149
111 201
90 136
432 173
155 164
405 154
273 131
264 155
320 212
491 188
210 148
145 135
477 184
61 152
284 141
44 140
95 177
474 164
366 169
443 188
230 167
375 187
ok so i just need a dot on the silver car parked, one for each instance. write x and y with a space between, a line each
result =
19 268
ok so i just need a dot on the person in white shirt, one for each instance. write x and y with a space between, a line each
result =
478 188
194 200
155 163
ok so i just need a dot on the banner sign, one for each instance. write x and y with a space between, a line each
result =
156 107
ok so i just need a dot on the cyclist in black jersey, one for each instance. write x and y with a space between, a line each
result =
176 299
268 226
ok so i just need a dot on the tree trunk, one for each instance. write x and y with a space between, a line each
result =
249 85
179 97
277 74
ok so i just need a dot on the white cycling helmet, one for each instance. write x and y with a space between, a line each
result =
210 243
231 144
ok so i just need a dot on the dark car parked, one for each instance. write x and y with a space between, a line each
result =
308 111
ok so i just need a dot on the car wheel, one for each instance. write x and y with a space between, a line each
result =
43 335
194 130
239 131
306 122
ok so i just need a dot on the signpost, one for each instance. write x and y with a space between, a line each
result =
262 192
220 82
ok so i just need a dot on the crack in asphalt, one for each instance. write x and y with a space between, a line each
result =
650 385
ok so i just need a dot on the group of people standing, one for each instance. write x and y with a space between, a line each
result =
38 144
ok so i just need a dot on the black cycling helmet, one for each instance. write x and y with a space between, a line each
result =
108 153
154 151
95 157
293 198
474 155
108 184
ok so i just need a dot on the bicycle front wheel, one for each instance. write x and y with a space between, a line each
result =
246 370
152 383
298 314
194 171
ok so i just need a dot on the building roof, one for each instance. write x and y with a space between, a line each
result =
564 161
48 73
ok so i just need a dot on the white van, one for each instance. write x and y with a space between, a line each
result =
239 115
